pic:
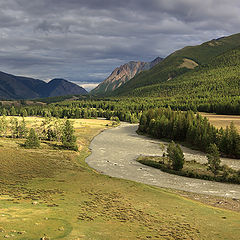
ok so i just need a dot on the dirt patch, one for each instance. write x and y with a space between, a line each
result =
232 204
188 63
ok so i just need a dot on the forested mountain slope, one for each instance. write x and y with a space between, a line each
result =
214 87
185 61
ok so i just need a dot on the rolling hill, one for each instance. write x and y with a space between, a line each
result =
185 68
18 87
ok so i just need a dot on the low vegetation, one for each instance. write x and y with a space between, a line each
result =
52 192
47 129
193 169
223 120
173 162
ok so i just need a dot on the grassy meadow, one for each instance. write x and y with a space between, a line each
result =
223 120
53 193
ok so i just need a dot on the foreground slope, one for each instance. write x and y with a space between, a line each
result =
188 59
18 87
53 193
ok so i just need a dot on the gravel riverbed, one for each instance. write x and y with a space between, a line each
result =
114 153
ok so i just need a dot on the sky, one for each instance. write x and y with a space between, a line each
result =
84 40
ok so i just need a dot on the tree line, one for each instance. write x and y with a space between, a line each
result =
190 128
126 109
50 129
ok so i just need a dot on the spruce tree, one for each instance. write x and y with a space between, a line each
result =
14 127
3 126
175 155
68 138
22 129
213 157
32 140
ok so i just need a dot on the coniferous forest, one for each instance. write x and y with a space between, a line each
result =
190 128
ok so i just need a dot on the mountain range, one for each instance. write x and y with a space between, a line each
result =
18 87
123 74
190 71
203 72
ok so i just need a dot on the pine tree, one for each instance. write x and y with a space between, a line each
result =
213 158
32 140
175 155
24 113
68 138
14 127
22 129
3 126
13 111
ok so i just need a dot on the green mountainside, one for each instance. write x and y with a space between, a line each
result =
219 77
183 67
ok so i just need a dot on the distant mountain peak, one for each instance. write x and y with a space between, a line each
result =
123 74
18 87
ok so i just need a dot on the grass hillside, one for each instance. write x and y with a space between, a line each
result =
53 193
187 60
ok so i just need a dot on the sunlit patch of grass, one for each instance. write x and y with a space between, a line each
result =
52 192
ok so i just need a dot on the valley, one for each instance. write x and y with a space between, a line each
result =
53 193
69 159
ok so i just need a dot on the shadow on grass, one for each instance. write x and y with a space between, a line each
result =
52 145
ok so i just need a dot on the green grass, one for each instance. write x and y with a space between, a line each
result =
54 193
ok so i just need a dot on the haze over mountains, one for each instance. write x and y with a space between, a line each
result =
18 87
123 74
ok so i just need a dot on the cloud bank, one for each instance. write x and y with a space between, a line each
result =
84 40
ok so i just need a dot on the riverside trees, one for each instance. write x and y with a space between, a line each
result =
175 156
190 128
213 157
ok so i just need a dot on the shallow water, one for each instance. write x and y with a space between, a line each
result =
114 153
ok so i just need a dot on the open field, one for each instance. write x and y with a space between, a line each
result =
54 193
223 120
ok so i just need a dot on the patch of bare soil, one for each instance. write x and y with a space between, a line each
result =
232 204
188 63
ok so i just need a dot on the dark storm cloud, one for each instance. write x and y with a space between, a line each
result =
84 40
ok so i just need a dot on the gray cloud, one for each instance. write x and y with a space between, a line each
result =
84 40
